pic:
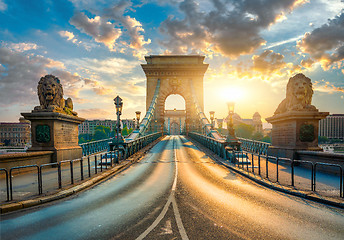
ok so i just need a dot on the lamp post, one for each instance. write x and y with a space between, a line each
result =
119 138
230 128
212 113
231 138
138 113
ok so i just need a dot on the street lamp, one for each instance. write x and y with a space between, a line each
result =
231 138
120 142
138 113
212 113
230 128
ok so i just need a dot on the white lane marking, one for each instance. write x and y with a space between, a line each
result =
157 220
171 199
174 203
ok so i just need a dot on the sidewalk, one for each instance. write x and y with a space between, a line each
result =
25 185
327 194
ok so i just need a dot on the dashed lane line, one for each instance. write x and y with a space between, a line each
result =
171 199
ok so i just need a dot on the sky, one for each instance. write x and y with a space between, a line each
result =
95 48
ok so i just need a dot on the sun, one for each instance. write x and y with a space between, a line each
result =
232 93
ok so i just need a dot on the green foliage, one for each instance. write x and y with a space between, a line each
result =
100 134
107 130
322 139
125 131
243 130
257 136
266 139
82 140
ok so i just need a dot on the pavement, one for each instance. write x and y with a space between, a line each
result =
306 194
53 194
34 200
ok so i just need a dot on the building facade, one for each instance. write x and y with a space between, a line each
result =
15 133
89 126
256 121
332 127
174 121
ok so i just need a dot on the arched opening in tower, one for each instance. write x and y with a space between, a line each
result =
174 114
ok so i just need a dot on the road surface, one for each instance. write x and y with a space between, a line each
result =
177 192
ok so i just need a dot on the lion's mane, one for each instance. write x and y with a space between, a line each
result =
299 95
57 103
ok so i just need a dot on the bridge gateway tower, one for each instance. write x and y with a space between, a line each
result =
178 74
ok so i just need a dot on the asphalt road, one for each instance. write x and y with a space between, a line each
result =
177 192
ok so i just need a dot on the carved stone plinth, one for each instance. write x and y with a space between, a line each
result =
293 131
57 132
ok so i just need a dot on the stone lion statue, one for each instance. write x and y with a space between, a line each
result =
299 95
50 94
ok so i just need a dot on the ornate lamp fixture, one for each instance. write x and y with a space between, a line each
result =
138 113
212 113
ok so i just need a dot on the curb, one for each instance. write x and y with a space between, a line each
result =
264 183
10 207
284 190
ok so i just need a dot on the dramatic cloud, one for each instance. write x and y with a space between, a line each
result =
307 63
231 28
110 25
99 28
68 35
20 47
20 74
133 27
3 6
268 62
95 113
111 66
327 87
326 43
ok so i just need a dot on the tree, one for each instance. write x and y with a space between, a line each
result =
125 131
257 136
99 134
322 139
243 130
82 140
266 139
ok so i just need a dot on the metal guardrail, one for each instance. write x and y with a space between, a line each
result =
254 146
138 143
259 149
95 146
7 183
100 160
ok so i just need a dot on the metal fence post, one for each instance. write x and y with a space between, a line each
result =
292 172
71 172
82 168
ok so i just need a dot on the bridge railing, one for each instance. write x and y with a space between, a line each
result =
135 145
254 146
95 146
67 172
217 146
254 159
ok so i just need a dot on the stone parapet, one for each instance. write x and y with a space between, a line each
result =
52 131
8 161
295 130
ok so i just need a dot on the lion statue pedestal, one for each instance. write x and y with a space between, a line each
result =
54 124
295 123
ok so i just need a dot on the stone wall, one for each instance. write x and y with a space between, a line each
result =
8 161
323 157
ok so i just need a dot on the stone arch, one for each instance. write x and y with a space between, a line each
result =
177 73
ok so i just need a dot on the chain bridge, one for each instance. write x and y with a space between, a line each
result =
174 177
